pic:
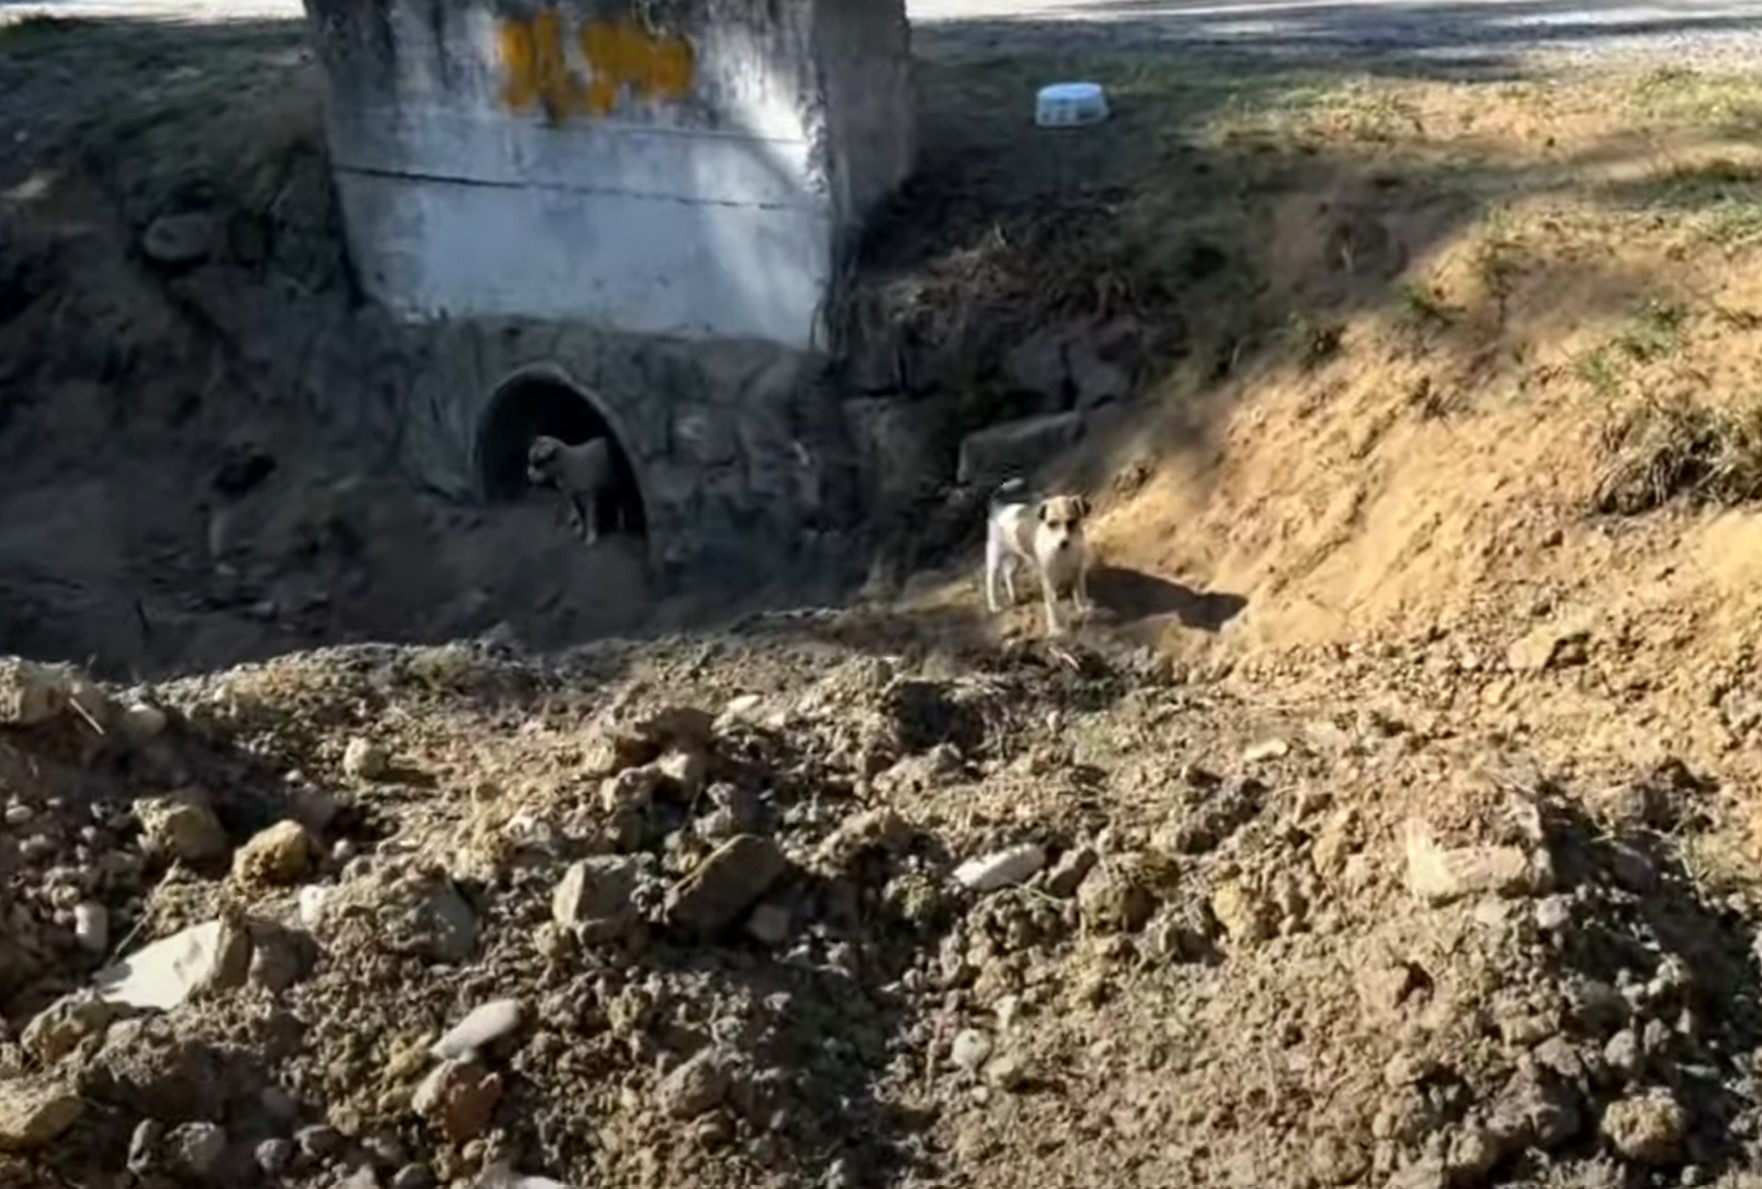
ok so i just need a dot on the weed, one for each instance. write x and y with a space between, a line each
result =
1669 448
1315 342
1425 306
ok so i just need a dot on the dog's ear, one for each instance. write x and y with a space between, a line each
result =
1041 509
1082 508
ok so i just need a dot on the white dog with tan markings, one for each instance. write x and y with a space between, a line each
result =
1047 536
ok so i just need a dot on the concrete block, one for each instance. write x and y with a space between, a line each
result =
699 173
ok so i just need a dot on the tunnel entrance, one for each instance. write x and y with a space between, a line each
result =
531 405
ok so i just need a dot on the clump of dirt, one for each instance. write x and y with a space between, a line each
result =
751 909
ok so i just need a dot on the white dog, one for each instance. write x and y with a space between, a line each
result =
582 474
1048 536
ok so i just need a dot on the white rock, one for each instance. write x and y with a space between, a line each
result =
1001 869
482 1026
91 927
501 1176
1266 749
170 972
970 1049
313 899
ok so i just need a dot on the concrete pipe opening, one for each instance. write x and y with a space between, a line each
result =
534 404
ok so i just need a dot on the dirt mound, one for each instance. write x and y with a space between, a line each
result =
766 909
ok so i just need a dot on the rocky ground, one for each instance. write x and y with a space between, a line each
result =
829 900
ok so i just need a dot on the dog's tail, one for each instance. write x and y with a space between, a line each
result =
1008 492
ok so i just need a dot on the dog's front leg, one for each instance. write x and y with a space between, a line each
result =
1054 626
992 561
1085 605
590 519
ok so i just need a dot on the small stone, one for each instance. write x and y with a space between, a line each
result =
363 759
481 1028
91 927
1623 1054
1072 868
143 1145
312 901
459 1097
970 1049
168 973
769 924
1007 1072
1338 1160
180 239
196 1148
279 856
596 898
1473 1153
1647 1128
181 828
697 1086
1339 836
273 1156
1551 645
686 770
319 1141
1553 913
35 1113
1001 869
1245 917
1266 749
141 723
412 1176
436 922
725 885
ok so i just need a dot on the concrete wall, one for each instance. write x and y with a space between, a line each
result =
686 168
735 445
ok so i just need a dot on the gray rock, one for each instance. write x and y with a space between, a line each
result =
180 239
596 898
697 1086
196 1148
436 922
769 924
726 884
481 1028
273 1156
200 960
143 1145
1016 447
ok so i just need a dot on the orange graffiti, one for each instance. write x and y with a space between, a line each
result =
620 59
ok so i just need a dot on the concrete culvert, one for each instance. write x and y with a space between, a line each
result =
534 404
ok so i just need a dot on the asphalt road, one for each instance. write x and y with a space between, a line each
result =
1669 30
